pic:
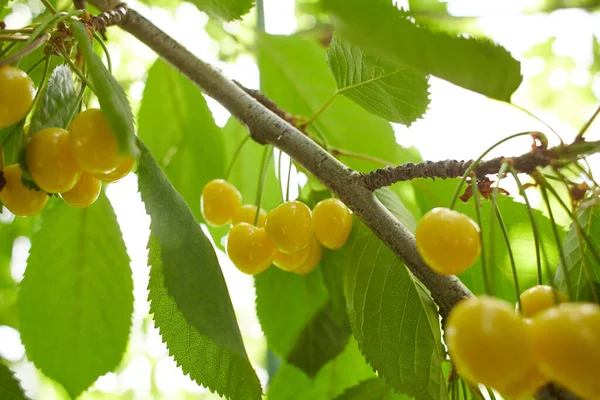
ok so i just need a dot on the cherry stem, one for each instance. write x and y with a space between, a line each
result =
105 50
532 115
561 253
321 110
341 152
289 176
235 156
585 127
49 6
264 168
476 162
534 227
484 269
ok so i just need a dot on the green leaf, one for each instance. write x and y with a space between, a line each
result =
432 194
76 299
393 318
582 263
192 274
177 126
10 389
475 64
392 202
3 9
346 370
209 364
326 334
13 139
371 389
56 103
277 293
111 96
227 10
396 94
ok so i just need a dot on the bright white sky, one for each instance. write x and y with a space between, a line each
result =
460 124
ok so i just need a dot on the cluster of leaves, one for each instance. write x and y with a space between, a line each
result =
360 325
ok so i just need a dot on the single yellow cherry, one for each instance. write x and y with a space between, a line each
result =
566 343
16 95
289 226
50 162
19 199
332 223
85 192
291 262
122 171
539 298
249 248
219 202
525 386
448 241
488 342
94 144
247 213
315 254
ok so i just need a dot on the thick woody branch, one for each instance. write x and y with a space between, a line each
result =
267 128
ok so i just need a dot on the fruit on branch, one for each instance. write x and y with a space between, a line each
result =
314 258
93 143
19 199
84 193
332 223
566 343
291 262
16 95
525 386
448 241
219 202
249 248
488 342
50 161
289 226
247 213
122 171
539 298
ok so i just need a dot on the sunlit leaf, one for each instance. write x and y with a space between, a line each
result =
583 266
392 202
474 64
393 318
209 364
111 96
76 299
398 95
371 389
191 271
9 385
227 10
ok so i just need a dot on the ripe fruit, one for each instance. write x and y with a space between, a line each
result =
93 143
291 262
19 199
122 171
332 223
539 298
314 257
249 248
289 226
16 95
50 162
489 342
566 343
525 386
448 241
85 192
219 202
247 213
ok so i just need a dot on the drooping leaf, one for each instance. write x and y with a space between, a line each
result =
475 64
13 139
371 389
227 10
583 266
326 334
56 103
286 303
393 318
111 96
392 202
76 299
516 218
294 73
346 370
191 271
396 94
178 128
208 364
10 389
